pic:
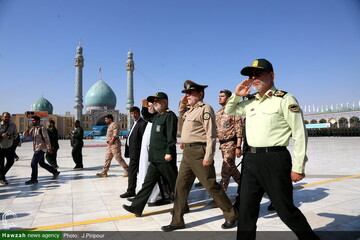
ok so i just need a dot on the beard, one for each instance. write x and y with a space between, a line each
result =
192 101
151 110
159 107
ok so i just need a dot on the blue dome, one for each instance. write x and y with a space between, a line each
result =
100 96
42 105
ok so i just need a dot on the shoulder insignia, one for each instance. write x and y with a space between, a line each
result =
206 116
280 93
168 110
249 96
201 104
294 108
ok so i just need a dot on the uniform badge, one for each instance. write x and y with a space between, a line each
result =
158 127
294 108
206 116
280 93
255 63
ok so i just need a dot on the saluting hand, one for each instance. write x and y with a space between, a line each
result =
295 177
243 88
184 100
144 103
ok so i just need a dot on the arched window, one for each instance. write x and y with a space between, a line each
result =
354 122
343 123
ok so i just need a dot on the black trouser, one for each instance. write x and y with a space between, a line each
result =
4 168
133 170
77 156
167 170
38 158
270 173
51 158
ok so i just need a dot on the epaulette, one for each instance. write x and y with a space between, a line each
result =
201 104
249 96
279 93
168 110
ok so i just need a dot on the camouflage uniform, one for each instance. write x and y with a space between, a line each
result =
113 150
227 128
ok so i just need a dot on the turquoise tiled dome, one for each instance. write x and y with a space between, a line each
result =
100 96
42 105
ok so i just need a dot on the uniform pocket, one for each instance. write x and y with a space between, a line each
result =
269 117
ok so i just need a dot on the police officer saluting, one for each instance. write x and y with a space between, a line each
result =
198 136
272 116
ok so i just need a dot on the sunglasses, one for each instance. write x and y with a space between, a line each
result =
256 74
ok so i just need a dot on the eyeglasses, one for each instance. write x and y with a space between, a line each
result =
256 74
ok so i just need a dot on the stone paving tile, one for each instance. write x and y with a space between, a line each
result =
82 196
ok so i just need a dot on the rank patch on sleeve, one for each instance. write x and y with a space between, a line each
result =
294 108
206 116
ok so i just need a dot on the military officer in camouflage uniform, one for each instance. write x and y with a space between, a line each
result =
198 137
162 150
272 117
114 147
229 133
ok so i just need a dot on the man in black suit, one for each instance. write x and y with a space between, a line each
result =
132 150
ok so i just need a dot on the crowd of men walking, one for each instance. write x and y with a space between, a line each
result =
272 117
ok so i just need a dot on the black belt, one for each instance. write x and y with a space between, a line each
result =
228 140
266 149
194 144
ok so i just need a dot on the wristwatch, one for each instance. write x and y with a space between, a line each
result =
238 147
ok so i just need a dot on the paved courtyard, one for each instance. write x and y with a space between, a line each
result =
78 200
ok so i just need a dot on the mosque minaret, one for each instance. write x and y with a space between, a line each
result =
79 64
130 66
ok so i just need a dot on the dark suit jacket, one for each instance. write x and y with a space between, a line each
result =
135 139
77 138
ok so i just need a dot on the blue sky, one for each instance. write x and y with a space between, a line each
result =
314 47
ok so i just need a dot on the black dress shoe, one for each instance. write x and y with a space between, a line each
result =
3 182
55 175
31 182
170 228
128 194
159 203
131 209
228 224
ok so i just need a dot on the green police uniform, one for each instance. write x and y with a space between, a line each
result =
77 143
162 142
270 122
